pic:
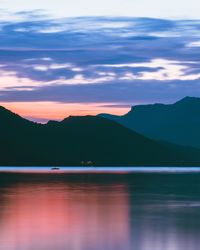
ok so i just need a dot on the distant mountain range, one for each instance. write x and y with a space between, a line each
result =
177 123
77 140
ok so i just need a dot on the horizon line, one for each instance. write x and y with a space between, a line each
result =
45 120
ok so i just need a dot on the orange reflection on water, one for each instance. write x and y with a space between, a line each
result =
64 216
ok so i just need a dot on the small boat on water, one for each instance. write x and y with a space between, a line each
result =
55 168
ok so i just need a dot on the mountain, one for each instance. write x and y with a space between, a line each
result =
177 123
77 139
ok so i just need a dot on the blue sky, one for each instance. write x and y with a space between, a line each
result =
139 8
52 66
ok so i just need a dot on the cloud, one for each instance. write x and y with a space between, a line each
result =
98 59
141 91
194 44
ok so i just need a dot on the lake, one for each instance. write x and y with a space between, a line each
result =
99 209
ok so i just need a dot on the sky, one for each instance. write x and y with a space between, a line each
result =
62 58
139 8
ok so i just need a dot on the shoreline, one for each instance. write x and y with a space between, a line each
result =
79 169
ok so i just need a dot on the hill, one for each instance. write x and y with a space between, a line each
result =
177 123
78 139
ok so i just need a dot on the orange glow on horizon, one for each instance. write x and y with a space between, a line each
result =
44 111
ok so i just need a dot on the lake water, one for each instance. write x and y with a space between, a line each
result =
102 210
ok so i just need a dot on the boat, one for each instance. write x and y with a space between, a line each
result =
55 168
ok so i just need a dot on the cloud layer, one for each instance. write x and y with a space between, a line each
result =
115 60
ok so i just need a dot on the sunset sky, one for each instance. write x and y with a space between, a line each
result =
62 58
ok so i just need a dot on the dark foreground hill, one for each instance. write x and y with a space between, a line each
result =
177 123
77 139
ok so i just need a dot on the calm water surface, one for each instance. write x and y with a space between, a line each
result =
104 211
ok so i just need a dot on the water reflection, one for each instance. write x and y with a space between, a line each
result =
165 212
61 215
100 212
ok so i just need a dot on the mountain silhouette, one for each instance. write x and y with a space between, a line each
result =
177 123
83 139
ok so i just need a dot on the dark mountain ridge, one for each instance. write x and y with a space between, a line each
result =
177 123
78 139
